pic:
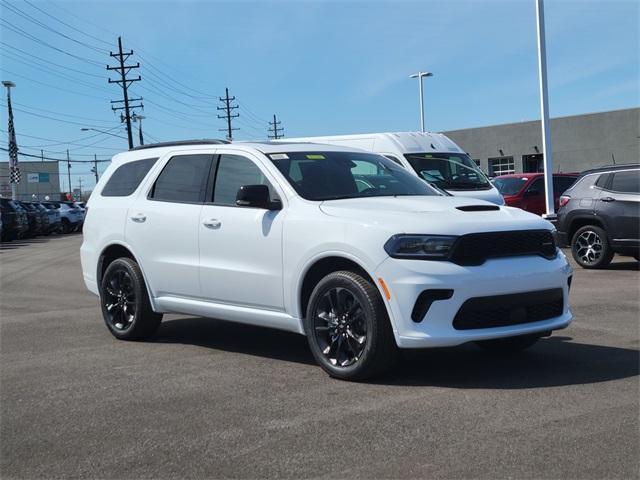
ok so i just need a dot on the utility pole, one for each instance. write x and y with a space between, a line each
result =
95 167
139 118
80 187
227 107
275 127
42 155
125 83
69 170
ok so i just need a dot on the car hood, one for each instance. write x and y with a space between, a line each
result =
434 215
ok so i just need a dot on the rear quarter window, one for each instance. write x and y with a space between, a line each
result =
126 179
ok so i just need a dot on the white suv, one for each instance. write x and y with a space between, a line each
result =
343 246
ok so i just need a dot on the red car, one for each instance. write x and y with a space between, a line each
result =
526 190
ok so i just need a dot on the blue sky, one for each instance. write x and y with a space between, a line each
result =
324 67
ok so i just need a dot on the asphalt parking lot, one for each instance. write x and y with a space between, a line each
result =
214 399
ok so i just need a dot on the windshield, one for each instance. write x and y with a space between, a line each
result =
509 185
337 175
449 171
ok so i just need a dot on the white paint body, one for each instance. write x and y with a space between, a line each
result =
251 267
399 144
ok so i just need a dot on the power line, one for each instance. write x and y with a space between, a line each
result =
275 126
37 40
31 19
228 116
28 79
71 142
54 159
83 124
24 52
66 24
125 83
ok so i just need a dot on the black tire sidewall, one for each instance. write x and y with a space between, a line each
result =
372 314
606 255
134 272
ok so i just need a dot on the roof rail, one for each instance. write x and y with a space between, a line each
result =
612 168
179 143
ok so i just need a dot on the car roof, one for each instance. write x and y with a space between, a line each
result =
241 146
611 168
535 175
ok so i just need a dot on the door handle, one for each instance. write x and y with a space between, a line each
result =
608 199
212 223
139 218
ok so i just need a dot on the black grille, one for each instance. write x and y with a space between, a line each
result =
514 309
475 248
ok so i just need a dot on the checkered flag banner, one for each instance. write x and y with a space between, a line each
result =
14 175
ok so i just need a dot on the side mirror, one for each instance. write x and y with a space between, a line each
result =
532 192
256 196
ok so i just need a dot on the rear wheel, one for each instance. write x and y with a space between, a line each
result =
590 247
348 328
509 344
66 226
125 302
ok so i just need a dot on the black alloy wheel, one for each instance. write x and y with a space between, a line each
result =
340 327
119 299
126 308
348 328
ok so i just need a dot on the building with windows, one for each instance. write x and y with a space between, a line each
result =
578 142
38 180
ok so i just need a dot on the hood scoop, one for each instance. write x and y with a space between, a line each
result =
478 208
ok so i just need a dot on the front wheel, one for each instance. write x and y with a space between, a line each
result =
348 328
590 247
125 302
509 344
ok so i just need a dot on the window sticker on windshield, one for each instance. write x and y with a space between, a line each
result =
315 157
279 156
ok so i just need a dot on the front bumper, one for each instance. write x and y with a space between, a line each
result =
406 279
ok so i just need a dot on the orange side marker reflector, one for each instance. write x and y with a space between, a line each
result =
386 291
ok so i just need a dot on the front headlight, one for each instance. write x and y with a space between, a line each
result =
420 247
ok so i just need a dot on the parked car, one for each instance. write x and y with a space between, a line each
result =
599 215
34 218
71 217
527 190
281 235
434 157
54 224
14 220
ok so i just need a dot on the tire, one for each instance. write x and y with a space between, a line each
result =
122 289
66 226
590 247
348 328
637 257
509 345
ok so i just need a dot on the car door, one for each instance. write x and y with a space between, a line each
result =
533 197
619 205
240 247
162 226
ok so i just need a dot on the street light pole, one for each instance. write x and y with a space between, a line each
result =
419 76
544 110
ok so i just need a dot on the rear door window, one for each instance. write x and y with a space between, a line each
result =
183 179
626 182
127 177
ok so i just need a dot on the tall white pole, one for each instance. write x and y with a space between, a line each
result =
421 102
544 110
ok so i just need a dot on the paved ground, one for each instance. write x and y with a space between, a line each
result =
212 399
